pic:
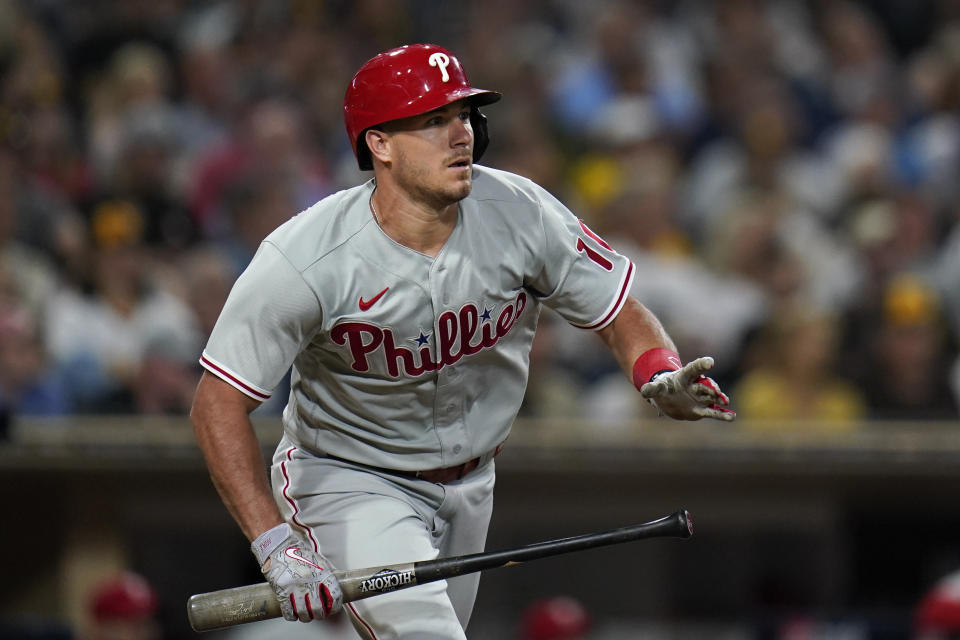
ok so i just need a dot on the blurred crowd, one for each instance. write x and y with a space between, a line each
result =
782 172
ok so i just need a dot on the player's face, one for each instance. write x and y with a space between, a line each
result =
434 154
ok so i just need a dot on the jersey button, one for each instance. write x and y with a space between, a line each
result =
457 448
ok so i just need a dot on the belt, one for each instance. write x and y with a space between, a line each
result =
442 475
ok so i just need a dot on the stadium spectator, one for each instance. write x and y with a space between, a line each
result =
791 373
906 374
269 140
29 384
30 277
100 337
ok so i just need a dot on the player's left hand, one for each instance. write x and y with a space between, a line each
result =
687 394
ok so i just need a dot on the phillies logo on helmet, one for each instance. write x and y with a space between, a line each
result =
441 61
459 333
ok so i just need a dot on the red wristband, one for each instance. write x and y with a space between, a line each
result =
652 362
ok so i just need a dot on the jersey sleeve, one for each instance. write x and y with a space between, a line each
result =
581 277
269 315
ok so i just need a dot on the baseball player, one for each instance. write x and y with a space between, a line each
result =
406 307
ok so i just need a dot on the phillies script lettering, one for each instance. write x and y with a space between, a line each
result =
387 580
459 333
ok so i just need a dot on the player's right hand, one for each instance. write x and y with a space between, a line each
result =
303 579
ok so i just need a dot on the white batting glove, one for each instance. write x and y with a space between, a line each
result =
302 578
687 394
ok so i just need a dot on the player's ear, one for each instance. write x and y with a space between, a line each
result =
378 142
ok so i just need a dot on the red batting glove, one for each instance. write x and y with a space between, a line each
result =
681 392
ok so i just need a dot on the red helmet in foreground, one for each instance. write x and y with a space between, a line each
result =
405 82
939 609
126 596
556 618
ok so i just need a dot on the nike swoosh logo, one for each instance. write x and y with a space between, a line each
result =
294 552
366 304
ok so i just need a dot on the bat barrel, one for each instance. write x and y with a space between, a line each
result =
228 607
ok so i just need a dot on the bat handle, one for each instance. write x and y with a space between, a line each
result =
228 607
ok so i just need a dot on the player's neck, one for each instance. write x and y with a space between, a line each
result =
413 224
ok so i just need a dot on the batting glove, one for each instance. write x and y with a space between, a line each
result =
302 578
685 393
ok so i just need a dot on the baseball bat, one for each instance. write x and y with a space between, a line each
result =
228 607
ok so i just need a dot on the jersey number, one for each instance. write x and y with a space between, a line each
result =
593 254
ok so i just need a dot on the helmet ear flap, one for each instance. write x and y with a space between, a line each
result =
481 138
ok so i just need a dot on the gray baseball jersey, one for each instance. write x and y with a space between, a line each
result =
401 360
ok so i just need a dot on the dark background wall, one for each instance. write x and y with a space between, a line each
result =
850 528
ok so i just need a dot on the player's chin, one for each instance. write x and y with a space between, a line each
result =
461 186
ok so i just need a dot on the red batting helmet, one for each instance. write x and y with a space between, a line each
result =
939 609
405 82
556 618
126 596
